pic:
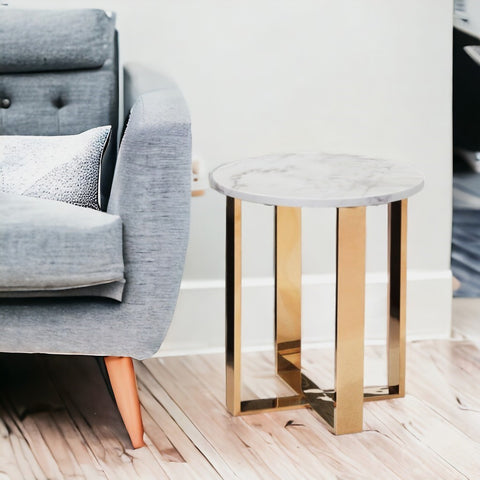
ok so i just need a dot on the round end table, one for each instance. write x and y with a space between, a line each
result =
349 184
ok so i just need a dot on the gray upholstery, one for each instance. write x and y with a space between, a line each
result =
151 194
138 79
63 102
77 39
49 245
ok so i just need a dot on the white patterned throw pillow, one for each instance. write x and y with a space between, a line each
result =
64 168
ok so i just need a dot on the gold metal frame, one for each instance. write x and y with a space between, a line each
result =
349 320
233 305
288 295
396 305
342 408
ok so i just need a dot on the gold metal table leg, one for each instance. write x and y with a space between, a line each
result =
233 285
233 304
342 408
350 316
396 305
288 295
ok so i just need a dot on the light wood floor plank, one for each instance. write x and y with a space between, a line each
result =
12 462
58 446
57 420
446 388
40 449
466 319
209 416
158 438
159 425
24 458
184 423
452 445
408 450
99 422
84 456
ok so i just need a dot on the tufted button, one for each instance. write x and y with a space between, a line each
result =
58 102
5 102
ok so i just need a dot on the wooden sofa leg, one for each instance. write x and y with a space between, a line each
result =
122 378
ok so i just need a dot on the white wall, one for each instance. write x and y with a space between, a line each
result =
370 77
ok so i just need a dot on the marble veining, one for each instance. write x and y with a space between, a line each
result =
316 180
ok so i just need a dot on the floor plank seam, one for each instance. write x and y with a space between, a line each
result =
9 411
447 420
175 420
69 404
436 453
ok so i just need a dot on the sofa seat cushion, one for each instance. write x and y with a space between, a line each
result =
47 245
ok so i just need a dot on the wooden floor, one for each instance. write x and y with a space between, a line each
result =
57 420
466 319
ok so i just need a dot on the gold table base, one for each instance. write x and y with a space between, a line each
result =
342 407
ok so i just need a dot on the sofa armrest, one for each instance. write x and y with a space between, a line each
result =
139 79
151 193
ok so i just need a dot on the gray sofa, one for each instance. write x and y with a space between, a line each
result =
59 76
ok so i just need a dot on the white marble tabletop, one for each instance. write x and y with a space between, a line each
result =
316 180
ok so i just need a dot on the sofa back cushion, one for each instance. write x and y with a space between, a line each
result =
77 39
59 76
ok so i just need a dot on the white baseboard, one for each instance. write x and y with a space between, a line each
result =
199 321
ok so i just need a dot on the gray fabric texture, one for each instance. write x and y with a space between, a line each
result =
139 79
64 168
76 39
50 245
151 193
62 102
